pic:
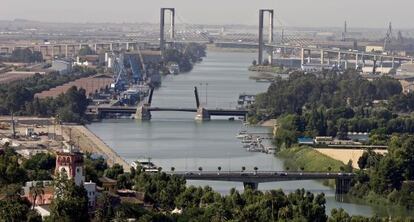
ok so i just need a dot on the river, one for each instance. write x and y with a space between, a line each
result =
175 139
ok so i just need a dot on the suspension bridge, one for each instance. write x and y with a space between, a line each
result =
182 32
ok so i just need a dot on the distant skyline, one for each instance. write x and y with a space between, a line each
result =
292 13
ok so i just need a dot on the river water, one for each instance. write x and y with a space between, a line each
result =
174 139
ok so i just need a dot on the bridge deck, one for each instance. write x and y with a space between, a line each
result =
132 110
260 176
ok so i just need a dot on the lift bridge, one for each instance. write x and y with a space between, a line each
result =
144 112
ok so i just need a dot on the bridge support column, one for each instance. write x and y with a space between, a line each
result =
251 185
302 56
339 58
322 57
143 113
356 61
342 187
202 114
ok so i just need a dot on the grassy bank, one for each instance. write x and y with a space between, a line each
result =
309 160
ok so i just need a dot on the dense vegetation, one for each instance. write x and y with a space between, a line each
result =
167 192
13 175
308 91
333 105
25 55
186 56
18 97
162 191
390 176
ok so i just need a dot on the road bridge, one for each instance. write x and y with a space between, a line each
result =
144 112
253 178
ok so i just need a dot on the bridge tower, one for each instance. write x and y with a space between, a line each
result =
202 113
143 112
162 26
261 40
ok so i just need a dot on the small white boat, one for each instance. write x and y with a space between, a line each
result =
247 140
242 134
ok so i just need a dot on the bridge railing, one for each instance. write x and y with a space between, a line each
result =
262 173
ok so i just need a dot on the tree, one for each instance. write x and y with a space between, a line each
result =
104 208
13 207
37 191
70 202
363 160
114 171
10 170
86 50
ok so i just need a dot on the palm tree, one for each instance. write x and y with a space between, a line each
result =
243 168
37 191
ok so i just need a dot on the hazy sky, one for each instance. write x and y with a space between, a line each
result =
313 13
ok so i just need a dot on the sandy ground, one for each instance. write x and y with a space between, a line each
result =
269 123
344 155
79 135
89 142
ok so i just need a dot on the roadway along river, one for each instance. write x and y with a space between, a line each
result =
175 139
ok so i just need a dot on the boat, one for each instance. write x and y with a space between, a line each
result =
174 68
146 165
242 134
247 139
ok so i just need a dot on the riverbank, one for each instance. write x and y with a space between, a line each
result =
89 142
308 159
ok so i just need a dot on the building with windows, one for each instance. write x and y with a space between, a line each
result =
62 66
71 163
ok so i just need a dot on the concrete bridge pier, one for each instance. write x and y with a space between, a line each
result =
143 113
251 185
202 114
342 187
